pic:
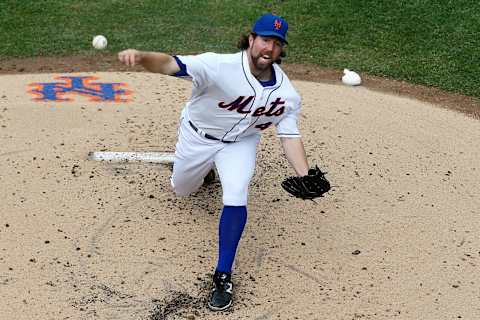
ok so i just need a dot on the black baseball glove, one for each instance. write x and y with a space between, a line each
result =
311 186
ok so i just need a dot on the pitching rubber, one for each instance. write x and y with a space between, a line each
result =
152 157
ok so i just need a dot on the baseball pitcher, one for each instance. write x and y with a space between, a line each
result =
235 97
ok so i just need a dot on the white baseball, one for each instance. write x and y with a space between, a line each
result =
99 42
351 78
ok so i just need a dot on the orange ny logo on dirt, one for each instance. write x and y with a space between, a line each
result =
277 24
83 86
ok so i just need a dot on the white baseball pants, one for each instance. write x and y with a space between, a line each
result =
196 155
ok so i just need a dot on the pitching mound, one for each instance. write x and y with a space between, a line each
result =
80 239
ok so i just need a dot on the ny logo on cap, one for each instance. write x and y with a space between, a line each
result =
278 24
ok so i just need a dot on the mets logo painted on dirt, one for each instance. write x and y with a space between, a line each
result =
82 86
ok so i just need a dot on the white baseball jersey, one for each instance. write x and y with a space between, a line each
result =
229 103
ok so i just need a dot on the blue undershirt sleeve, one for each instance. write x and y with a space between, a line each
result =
182 66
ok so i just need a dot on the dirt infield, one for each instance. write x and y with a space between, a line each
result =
396 238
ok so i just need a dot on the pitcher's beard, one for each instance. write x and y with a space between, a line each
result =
262 67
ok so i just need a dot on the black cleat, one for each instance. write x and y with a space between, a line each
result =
221 296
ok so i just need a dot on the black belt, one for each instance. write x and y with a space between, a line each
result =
206 135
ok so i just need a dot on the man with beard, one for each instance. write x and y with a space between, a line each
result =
235 97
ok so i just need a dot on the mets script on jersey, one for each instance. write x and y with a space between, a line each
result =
225 90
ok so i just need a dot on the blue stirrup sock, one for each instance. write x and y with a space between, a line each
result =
232 223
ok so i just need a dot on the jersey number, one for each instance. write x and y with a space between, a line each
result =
263 126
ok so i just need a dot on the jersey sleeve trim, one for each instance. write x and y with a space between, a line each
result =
288 135
182 66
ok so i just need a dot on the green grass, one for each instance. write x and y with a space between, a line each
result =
434 43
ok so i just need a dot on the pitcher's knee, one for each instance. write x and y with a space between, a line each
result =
180 189
180 192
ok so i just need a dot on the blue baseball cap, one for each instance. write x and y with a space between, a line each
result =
270 25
